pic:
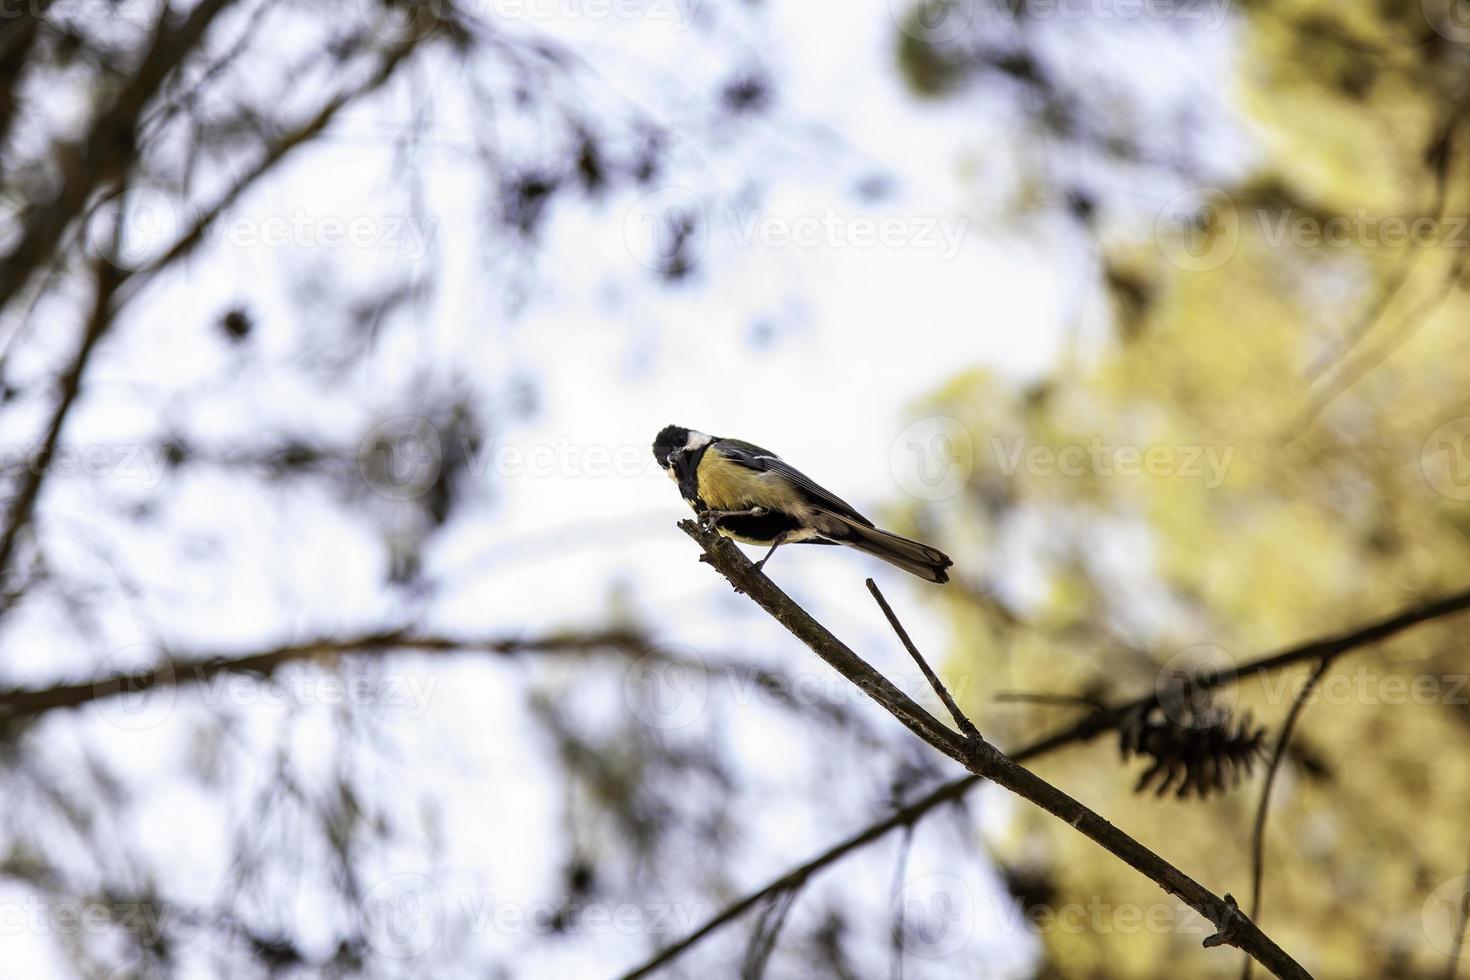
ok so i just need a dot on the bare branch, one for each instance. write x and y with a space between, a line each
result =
108 279
107 151
1085 729
115 286
984 760
904 817
966 725
278 150
197 669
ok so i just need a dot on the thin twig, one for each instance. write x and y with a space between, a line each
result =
107 280
1258 834
900 926
1057 700
904 817
1367 360
966 725
1368 321
767 931
982 759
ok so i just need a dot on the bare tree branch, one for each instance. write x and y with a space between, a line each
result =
904 817
16 45
120 285
197 669
107 278
967 727
1085 729
984 760
108 149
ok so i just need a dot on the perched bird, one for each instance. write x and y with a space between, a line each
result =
752 495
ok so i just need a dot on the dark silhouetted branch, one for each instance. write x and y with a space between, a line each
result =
966 725
196 669
1083 730
984 760
904 817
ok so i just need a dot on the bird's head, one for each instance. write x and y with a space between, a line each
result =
675 442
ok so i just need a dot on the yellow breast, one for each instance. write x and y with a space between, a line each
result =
729 486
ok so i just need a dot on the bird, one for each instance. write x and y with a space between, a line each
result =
752 495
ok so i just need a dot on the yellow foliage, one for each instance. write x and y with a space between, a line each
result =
1257 464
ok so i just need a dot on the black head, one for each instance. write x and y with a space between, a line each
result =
679 450
671 439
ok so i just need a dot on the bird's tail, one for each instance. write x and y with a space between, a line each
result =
928 563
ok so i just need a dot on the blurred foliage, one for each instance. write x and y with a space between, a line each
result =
1319 378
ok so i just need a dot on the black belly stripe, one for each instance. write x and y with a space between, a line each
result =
763 529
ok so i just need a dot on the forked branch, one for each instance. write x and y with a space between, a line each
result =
985 761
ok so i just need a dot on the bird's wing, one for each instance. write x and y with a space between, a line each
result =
756 458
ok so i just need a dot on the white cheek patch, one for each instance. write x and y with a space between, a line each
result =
672 475
697 440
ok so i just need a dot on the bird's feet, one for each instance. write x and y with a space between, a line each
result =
708 517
